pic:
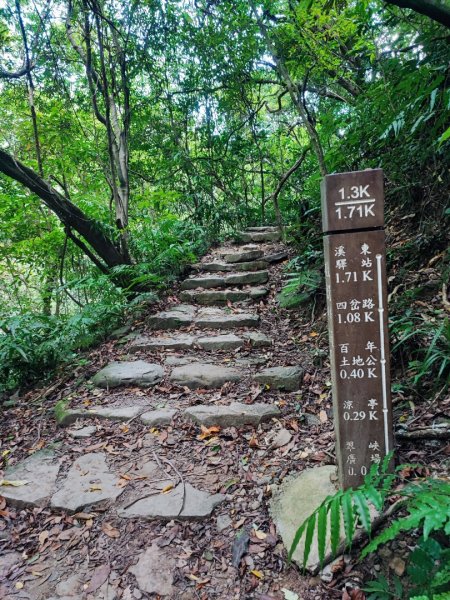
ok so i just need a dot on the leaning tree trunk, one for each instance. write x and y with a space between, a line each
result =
105 253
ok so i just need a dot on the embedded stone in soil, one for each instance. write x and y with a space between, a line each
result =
259 236
214 267
183 502
227 341
243 255
214 318
203 375
39 471
281 378
276 257
258 339
180 342
209 281
89 482
138 373
295 500
154 571
173 318
83 432
267 228
162 416
234 415
222 297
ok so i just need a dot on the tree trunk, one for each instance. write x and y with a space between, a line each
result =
67 212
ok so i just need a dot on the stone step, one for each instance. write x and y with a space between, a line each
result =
178 316
211 281
281 378
203 318
204 375
234 415
139 372
118 414
222 297
215 267
215 318
266 228
186 342
276 257
259 236
245 254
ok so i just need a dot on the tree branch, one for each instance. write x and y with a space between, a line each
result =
434 9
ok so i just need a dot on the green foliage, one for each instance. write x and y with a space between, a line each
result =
427 503
300 288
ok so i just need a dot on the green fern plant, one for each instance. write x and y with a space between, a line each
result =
300 287
427 503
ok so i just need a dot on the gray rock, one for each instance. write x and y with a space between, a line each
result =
120 332
40 470
214 297
197 505
174 318
227 341
154 571
260 236
213 267
247 278
179 342
236 414
163 416
118 413
223 522
294 501
276 257
138 372
222 297
176 361
257 339
249 361
214 318
203 375
204 281
267 228
245 255
70 586
281 378
84 432
88 483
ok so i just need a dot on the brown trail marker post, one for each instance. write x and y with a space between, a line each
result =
355 272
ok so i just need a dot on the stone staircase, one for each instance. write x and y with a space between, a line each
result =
187 346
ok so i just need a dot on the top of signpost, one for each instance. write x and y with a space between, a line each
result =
353 200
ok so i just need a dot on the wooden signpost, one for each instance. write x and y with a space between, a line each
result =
355 270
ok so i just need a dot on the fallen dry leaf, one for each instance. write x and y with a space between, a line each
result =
110 531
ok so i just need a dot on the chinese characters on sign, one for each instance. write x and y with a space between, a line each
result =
357 315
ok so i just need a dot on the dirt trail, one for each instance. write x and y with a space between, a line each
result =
157 480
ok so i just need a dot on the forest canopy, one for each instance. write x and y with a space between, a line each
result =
134 134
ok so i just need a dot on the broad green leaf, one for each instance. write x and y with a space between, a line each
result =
309 537
322 531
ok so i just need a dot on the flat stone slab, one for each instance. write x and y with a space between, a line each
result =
138 372
154 418
197 505
281 378
234 415
227 341
258 339
294 501
214 267
174 318
214 318
182 341
260 236
83 432
40 471
155 571
206 282
276 257
203 375
89 482
267 228
222 297
244 255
